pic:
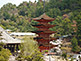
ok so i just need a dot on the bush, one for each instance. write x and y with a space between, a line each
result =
4 55
2 44
2 58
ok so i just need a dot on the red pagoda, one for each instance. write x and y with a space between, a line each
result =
43 32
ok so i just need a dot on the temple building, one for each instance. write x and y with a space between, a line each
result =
44 33
10 43
22 35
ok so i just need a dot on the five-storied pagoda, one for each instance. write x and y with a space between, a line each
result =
43 32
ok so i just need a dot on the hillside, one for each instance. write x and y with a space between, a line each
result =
19 18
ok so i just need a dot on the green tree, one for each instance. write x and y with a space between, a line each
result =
63 26
4 55
54 12
39 9
53 4
75 47
6 15
77 17
30 51
13 18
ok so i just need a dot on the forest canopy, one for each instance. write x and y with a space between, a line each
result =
19 18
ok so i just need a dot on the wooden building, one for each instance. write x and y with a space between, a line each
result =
10 43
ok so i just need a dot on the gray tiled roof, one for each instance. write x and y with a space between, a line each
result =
6 38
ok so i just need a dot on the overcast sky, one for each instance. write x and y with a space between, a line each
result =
17 2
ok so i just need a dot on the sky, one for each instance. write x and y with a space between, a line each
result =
17 2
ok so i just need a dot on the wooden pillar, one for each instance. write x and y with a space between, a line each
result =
17 47
13 48
8 46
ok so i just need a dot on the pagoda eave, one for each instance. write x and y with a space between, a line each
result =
44 32
41 38
48 32
46 44
43 20
44 26
44 17
36 31
46 48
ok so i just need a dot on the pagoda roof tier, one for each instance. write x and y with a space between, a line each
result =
37 31
46 48
42 38
43 29
43 18
44 32
45 43
38 38
44 26
48 32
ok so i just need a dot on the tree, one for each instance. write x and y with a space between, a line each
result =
54 4
53 8
79 33
54 12
29 51
39 9
4 55
75 47
6 15
77 17
13 18
63 26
